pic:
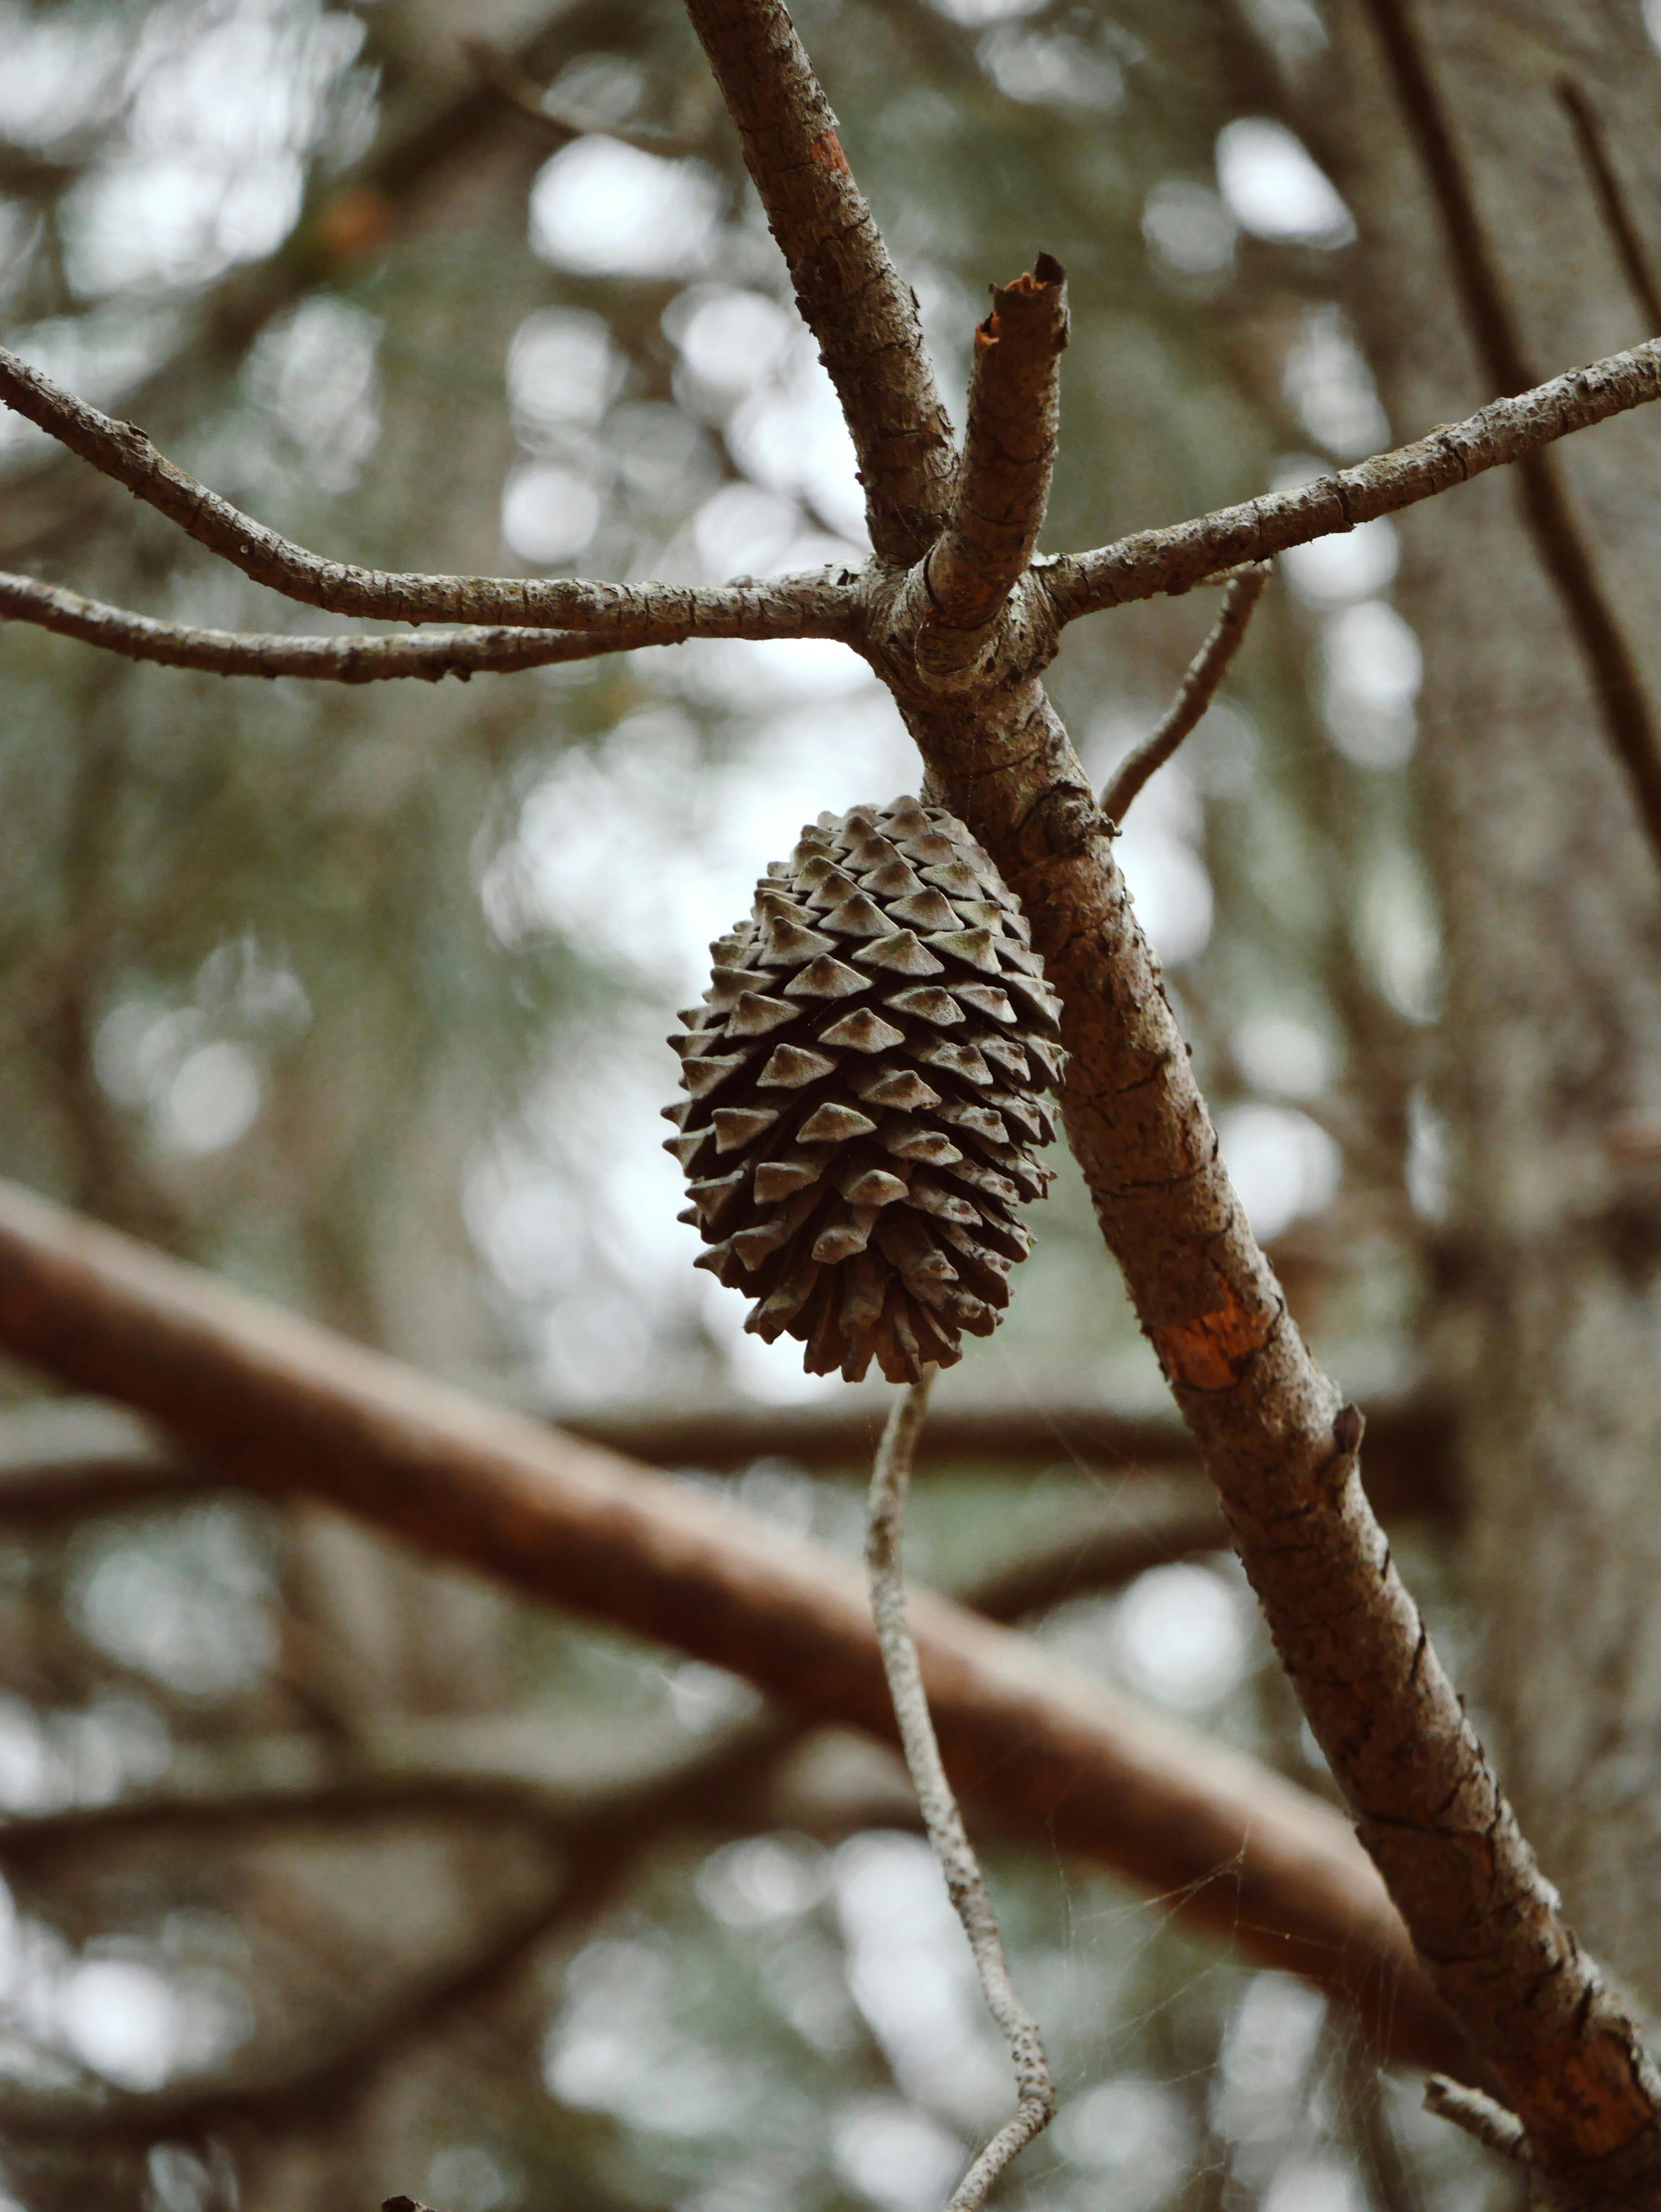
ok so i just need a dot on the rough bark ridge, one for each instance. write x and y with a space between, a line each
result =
1553 1307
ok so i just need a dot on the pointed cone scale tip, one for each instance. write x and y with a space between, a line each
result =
835 1124
863 1031
927 1002
903 954
859 916
826 977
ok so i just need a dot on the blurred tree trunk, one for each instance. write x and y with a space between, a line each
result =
1551 1321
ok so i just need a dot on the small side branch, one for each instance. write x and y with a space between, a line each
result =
812 603
1175 559
330 660
851 296
1199 688
1036 2093
1479 2115
1003 486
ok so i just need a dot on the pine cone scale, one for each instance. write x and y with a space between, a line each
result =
844 1160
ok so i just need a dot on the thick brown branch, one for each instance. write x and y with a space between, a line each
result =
1199 688
329 659
1184 554
851 296
1065 1759
812 603
1559 541
1009 452
1282 1450
516 1768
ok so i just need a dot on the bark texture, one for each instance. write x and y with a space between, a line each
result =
851 296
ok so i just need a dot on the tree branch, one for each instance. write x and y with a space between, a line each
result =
1409 1442
812 603
1479 2115
1065 1759
1199 688
1009 452
851 296
1281 1447
1175 559
326 2072
330 660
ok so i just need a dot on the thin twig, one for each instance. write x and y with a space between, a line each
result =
1197 690
1479 2115
1035 2092
811 602
1177 558
508 78
350 659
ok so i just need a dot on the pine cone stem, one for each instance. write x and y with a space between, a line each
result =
948 1838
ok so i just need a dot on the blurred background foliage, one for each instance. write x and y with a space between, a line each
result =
359 998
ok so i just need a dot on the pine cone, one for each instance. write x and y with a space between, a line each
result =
866 1076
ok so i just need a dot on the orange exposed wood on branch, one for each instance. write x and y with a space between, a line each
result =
1066 1761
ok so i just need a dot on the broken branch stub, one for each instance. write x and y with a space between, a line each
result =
1009 452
